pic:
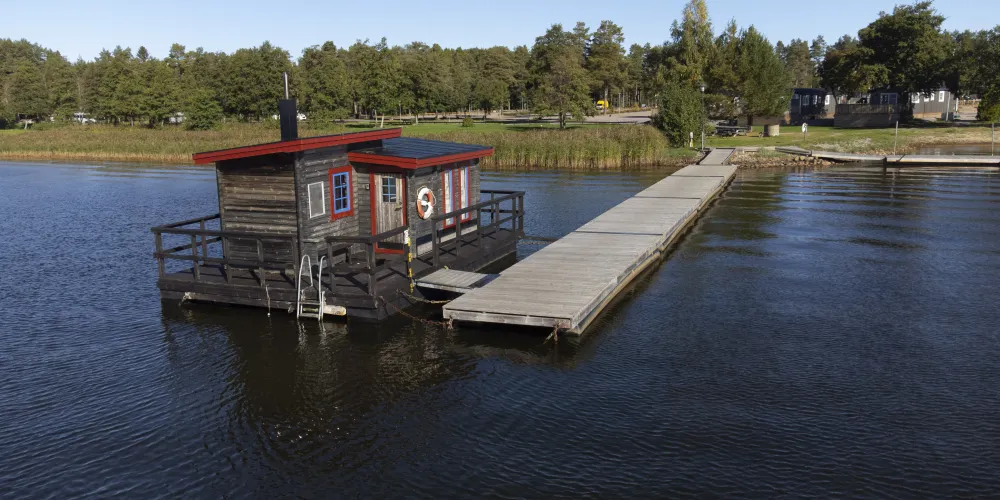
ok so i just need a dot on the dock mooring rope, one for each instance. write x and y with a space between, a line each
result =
429 322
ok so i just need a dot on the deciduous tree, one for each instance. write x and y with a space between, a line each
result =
324 83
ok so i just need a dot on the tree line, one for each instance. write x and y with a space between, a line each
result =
695 73
561 73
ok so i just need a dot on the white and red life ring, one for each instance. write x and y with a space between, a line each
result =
425 202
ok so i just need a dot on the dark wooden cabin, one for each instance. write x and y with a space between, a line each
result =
357 216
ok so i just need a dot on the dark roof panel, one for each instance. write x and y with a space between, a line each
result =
420 149
296 145
410 152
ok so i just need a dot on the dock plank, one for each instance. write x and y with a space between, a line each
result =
567 283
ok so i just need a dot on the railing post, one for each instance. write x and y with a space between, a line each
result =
297 260
260 260
159 254
435 244
410 253
496 211
225 260
329 263
479 230
204 241
194 253
520 214
370 257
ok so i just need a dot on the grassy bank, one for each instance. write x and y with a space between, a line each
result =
871 141
98 142
517 146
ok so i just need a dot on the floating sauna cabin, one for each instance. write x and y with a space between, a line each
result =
337 224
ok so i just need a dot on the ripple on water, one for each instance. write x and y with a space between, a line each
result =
817 333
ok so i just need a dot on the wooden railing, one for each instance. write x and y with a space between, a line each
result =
489 217
498 215
337 245
201 237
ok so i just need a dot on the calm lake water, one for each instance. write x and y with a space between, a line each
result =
827 333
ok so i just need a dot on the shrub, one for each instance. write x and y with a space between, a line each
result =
989 107
203 111
468 122
681 113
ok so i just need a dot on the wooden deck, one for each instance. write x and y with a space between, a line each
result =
451 280
900 160
718 156
568 283
351 287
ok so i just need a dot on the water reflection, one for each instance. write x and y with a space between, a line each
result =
817 333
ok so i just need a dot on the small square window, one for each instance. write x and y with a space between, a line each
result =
317 200
389 194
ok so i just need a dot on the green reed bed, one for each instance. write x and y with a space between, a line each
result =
517 146
123 143
589 147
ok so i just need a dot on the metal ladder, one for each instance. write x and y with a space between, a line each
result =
306 307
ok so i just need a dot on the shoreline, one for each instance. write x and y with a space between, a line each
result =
602 148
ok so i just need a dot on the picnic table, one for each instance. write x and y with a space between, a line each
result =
730 131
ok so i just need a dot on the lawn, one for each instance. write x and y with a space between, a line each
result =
861 140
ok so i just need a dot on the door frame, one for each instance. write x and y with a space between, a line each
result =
456 201
375 193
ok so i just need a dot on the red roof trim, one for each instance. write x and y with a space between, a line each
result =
296 145
413 163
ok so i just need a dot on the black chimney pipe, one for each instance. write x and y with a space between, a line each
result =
289 118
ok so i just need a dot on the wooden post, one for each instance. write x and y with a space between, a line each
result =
329 264
479 230
260 261
520 215
458 234
435 245
496 212
225 261
370 257
993 139
204 241
159 254
194 253
297 261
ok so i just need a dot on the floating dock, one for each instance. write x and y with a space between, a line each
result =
565 285
908 160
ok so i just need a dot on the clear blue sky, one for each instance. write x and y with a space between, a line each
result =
83 27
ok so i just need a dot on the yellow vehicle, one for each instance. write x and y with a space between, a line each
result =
602 105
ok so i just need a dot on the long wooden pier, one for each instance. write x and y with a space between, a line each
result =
568 283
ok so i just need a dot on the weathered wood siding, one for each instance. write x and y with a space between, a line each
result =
258 195
363 210
311 167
